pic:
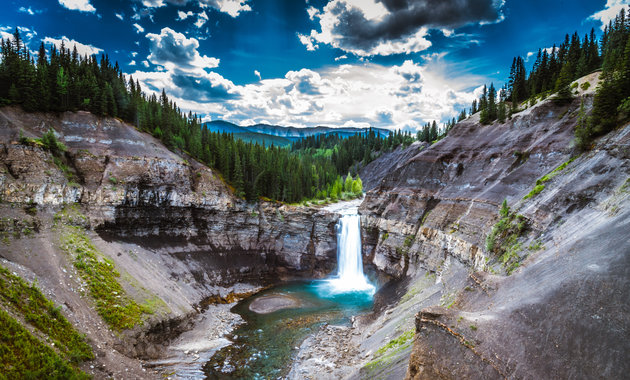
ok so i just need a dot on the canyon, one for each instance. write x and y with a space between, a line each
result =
551 303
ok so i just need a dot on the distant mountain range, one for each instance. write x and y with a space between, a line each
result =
281 136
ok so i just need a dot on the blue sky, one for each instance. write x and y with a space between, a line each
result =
385 63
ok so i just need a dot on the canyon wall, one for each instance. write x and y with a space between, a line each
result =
170 225
551 303
134 189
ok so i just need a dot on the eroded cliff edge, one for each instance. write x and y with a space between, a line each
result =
170 226
554 304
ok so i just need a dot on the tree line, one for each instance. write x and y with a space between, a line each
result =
60 79
611 105
552 72
555 69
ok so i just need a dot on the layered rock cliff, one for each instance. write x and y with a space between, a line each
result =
558 309
170 226
134 189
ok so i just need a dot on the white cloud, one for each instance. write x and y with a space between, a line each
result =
134 53
202 18
184 15
257 73
312 13
173 50
5 35
400 96
120 16
329 19
132 63
30 11
153 3
549 50
83 49
231 7
341 57
145 63
307 41
78 5
139 29
26 33
610 11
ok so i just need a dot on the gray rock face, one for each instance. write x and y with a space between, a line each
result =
136 190
443 200
559 315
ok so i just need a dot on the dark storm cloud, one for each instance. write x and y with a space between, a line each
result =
407 16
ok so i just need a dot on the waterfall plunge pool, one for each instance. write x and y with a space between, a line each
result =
277 320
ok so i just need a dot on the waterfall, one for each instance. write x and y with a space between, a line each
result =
349 277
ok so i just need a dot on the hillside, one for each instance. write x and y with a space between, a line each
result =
247 135
290 133
552 288
182 245
177 239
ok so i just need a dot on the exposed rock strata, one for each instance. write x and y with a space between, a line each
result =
561 314
135 189
171 225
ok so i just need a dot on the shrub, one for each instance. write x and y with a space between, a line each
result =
503 238
50 142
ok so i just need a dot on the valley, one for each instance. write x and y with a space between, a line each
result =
185 249
315 205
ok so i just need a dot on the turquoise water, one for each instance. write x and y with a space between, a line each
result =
265 344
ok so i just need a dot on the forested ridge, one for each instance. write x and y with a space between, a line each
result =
59 80
556 68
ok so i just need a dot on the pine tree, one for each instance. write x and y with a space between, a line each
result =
239 184
433 133
492 103
562 85
583 131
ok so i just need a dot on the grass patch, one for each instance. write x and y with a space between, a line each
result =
22 356
386 354
536 246
555 172
70 215
417 287
503 238
585 86
17 228
424 217
540 183
448 300
408 241
42 314
112 304
535 191
403 340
